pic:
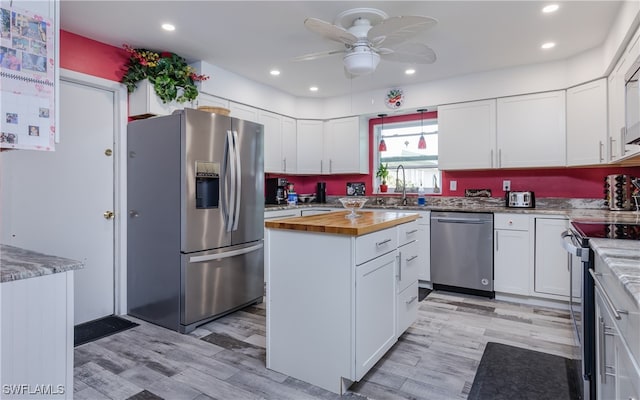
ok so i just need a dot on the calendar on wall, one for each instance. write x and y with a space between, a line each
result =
27 80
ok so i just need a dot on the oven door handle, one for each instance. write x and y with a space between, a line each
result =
569 246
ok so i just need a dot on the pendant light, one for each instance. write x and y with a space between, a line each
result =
382 146
422 143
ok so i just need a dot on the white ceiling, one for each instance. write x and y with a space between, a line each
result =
251 37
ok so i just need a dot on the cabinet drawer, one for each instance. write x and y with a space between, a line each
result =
518 222
425 218
407 233
407 310
408 265
375 244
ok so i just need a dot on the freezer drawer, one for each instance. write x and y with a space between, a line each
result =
218 282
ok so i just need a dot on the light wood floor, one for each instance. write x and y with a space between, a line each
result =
225 359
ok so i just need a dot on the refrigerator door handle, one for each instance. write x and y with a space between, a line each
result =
238 188
232 189
227 254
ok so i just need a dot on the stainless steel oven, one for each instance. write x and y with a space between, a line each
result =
576 241
582 307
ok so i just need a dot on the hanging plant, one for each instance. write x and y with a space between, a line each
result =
171 76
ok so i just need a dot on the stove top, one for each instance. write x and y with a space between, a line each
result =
603 230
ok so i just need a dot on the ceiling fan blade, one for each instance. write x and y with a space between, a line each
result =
417 53
330 31
314 56
396 30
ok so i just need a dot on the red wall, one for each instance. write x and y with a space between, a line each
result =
84 55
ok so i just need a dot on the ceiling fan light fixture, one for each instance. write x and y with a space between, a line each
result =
361 63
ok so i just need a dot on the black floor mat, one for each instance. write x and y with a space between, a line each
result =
422 293
507 372
99 328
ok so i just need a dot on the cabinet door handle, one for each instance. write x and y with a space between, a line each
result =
378 244
600 150
411 258
412 232
497 248
330 165
399 266
320 166
491 157
601 352
411 300
499 158
611 147
284 163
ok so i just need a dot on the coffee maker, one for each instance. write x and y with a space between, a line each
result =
276 190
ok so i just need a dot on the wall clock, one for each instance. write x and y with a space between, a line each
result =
395 98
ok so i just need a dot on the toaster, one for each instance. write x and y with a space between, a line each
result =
521 199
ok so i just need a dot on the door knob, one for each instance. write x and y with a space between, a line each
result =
108 215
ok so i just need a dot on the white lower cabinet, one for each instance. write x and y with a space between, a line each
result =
511 254
336 304
424 245
551 268
37 337
375 311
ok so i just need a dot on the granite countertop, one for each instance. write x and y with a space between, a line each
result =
17 263
335 222
623 258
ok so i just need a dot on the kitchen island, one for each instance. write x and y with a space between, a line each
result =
36 343
340 292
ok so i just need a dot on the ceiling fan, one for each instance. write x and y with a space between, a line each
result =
364 30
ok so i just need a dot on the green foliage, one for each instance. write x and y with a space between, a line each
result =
383 173
170 75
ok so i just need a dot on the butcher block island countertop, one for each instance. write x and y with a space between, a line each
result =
337 223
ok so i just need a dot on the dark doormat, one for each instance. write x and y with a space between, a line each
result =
99 328
422 293
507 372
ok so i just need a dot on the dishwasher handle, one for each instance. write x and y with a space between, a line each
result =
453 220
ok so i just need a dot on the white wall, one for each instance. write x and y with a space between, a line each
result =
584 67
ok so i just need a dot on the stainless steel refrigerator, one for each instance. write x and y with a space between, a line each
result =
195 200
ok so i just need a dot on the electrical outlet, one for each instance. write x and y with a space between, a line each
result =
506 186
453 185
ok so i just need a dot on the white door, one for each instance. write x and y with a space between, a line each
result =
57 199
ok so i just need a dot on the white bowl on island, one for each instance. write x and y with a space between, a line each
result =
353 204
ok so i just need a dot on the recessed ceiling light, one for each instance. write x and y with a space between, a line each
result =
550 8
274 72
410 71
548 45
168 27
313 88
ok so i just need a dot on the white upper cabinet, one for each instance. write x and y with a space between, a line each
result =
587 123
531 130
208 100
615 143
279 142
617 147
346 146
289 146
242 111
272 141
310 145
467 135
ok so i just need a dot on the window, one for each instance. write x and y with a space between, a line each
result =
401 139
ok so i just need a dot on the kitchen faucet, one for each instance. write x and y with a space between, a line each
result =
404 184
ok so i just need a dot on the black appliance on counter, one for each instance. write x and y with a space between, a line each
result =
321 192
275 190
575 240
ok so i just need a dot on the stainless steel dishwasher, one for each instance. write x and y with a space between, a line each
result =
462 252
